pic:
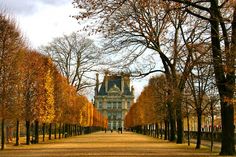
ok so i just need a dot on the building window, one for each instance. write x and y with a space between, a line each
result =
114 105
108 105
109 115
119 124
119 105
114 116
100 105
114 125
128 104
119 115
109 124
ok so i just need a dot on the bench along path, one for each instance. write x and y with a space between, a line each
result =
106 144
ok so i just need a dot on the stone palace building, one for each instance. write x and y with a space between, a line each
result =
113 98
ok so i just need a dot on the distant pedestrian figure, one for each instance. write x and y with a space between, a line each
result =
111 130
105 130
120 130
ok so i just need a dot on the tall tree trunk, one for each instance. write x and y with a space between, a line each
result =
157 130
179 120
75 130
171 120
59 130
55 131
227 107
66 130
144 130
212 126
188 129
161 130
50 131
33 133
69 130
199 131
36 130
27 124
78 130
225 85
44 127
166 130
227 116
3 134
17 132
79 133
62 130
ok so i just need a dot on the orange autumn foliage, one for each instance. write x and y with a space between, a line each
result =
149 106
49 98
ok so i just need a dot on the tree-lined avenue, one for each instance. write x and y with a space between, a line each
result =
107 144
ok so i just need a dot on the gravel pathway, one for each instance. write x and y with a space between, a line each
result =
106 144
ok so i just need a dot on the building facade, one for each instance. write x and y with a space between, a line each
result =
113 98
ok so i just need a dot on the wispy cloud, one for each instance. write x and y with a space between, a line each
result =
27 7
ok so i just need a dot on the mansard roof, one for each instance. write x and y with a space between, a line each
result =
127 90
113 80
102 90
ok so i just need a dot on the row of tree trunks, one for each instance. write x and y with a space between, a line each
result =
32 131
154 130
157 130
64 130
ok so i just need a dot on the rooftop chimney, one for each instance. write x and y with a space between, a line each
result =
106 81
97 85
